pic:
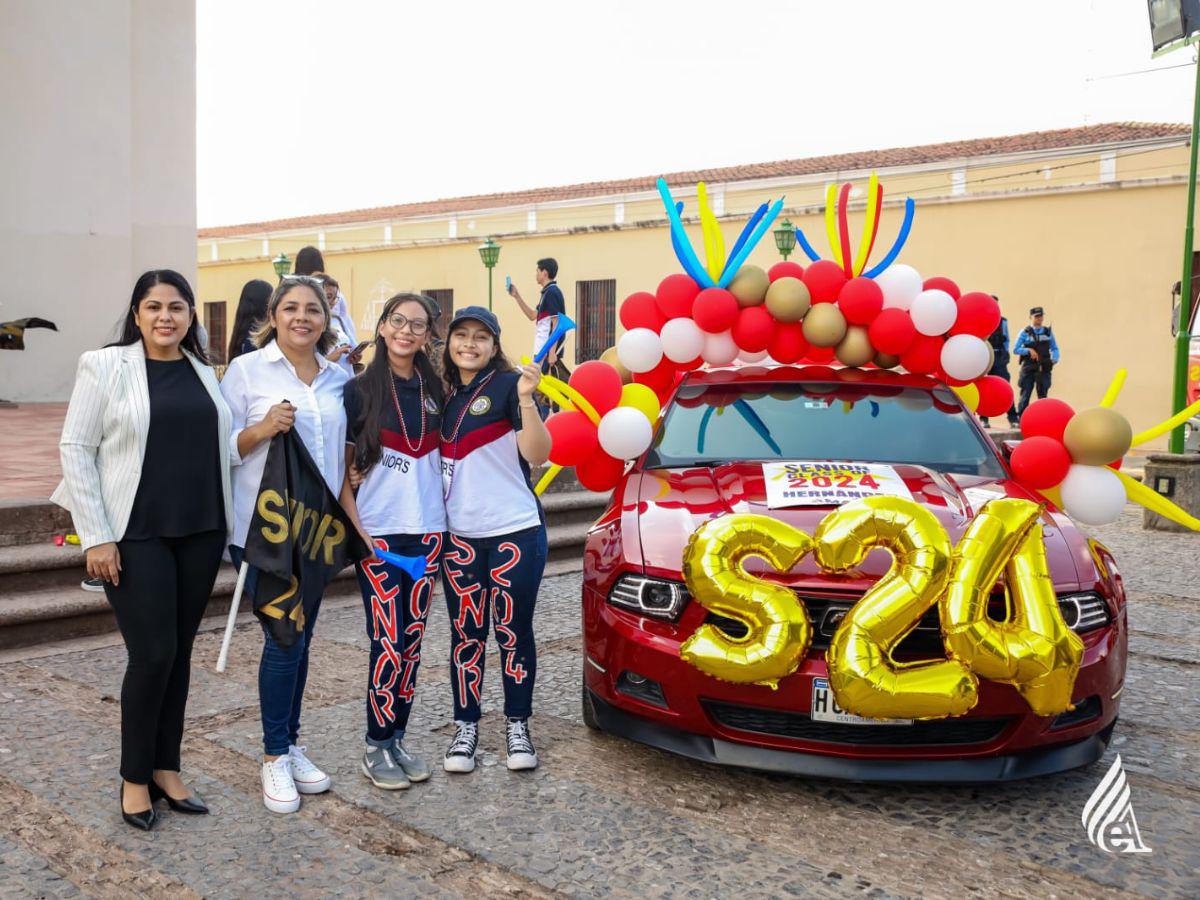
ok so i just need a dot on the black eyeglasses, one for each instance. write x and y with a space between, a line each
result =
416 326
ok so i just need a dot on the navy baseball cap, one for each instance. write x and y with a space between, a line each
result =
1037 311
484 316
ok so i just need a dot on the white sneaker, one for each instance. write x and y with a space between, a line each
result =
521 754
279 790
309 779
460 755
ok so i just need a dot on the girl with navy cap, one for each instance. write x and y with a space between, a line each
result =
496 547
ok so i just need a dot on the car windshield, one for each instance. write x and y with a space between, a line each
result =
766 421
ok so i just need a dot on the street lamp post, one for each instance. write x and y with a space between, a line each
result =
785 238
281 264
490 254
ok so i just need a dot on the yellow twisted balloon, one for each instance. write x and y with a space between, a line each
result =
779 628
1034 650
864 677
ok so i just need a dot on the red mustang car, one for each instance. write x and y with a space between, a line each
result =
706 461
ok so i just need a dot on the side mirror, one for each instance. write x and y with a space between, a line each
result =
1007 448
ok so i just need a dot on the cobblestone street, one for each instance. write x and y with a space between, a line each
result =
602 816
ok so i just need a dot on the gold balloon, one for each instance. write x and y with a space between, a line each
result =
886 360
1033 650
749 286
855 348
779 628
1096 437
824 325
788 299
862 674
610 356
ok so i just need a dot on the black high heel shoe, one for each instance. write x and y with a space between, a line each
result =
192 804
143 820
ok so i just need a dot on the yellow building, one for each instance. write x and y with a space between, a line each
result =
1086 222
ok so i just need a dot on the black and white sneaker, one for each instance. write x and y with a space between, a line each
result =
521 754
460 755
93 584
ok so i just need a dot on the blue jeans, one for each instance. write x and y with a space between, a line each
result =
282 674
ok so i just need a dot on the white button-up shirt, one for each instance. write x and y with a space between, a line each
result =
253 383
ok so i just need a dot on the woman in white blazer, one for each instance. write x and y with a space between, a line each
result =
146 463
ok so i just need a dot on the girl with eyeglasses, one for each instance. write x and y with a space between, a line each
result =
393 415
496 549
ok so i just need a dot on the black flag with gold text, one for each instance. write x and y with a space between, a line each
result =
299 538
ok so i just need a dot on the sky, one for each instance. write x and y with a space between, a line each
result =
306 107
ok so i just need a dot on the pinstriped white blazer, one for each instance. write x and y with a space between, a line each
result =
104 441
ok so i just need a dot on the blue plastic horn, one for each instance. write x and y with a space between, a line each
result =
414 566
564 325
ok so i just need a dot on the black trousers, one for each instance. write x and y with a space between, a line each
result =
165 585
1029 379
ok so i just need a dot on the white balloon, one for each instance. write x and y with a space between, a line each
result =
966 357
933 312
747 357
719 349
624 432
1093 494
640 350
900 285
682 340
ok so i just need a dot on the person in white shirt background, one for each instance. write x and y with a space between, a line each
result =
288 383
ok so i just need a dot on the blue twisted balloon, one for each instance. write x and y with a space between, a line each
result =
745 235
683 247
806 246
735 263
909 208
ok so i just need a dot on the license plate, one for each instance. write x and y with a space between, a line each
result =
825 709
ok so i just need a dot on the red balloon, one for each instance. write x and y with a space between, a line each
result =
1115 465
787 343
599 383
860 300
675 295
924 354
753 330
819 354
600 472
892 331
572 437
1040 462
785 270
995 396
824 280
640 310
941 375
715 310
661 376
978 314
942 283
1046 418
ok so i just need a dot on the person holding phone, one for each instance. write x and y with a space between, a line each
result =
146 476
287 384
550 306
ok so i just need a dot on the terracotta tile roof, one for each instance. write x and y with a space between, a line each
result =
1090 135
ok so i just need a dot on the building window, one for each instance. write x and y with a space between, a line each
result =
596 306
445 302
214 324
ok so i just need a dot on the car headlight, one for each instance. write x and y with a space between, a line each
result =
655 597
1084 612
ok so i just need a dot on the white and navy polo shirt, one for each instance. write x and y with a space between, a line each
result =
486 479
402 493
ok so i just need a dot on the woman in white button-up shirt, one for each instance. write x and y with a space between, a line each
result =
286 384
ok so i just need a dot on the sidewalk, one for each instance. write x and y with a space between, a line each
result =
29 466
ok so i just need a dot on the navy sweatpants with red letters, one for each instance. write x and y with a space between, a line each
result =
497 578
397 607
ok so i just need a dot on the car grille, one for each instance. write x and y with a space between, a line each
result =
799 726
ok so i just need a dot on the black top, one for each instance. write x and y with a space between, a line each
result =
180 489
408 394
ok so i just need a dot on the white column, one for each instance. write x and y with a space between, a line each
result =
531 220
618 213
387 234
958 182
1108 166
320 240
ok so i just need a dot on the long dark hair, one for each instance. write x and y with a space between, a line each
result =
131 334
499 362
308 261
251 310
375 383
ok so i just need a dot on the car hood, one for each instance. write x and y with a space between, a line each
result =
673 503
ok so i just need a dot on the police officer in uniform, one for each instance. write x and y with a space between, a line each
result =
1038 351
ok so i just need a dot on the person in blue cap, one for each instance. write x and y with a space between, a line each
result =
1038 352
496 547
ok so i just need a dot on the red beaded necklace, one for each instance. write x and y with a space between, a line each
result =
412 448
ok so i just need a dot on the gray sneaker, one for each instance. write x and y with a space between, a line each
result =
382 770
414 767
